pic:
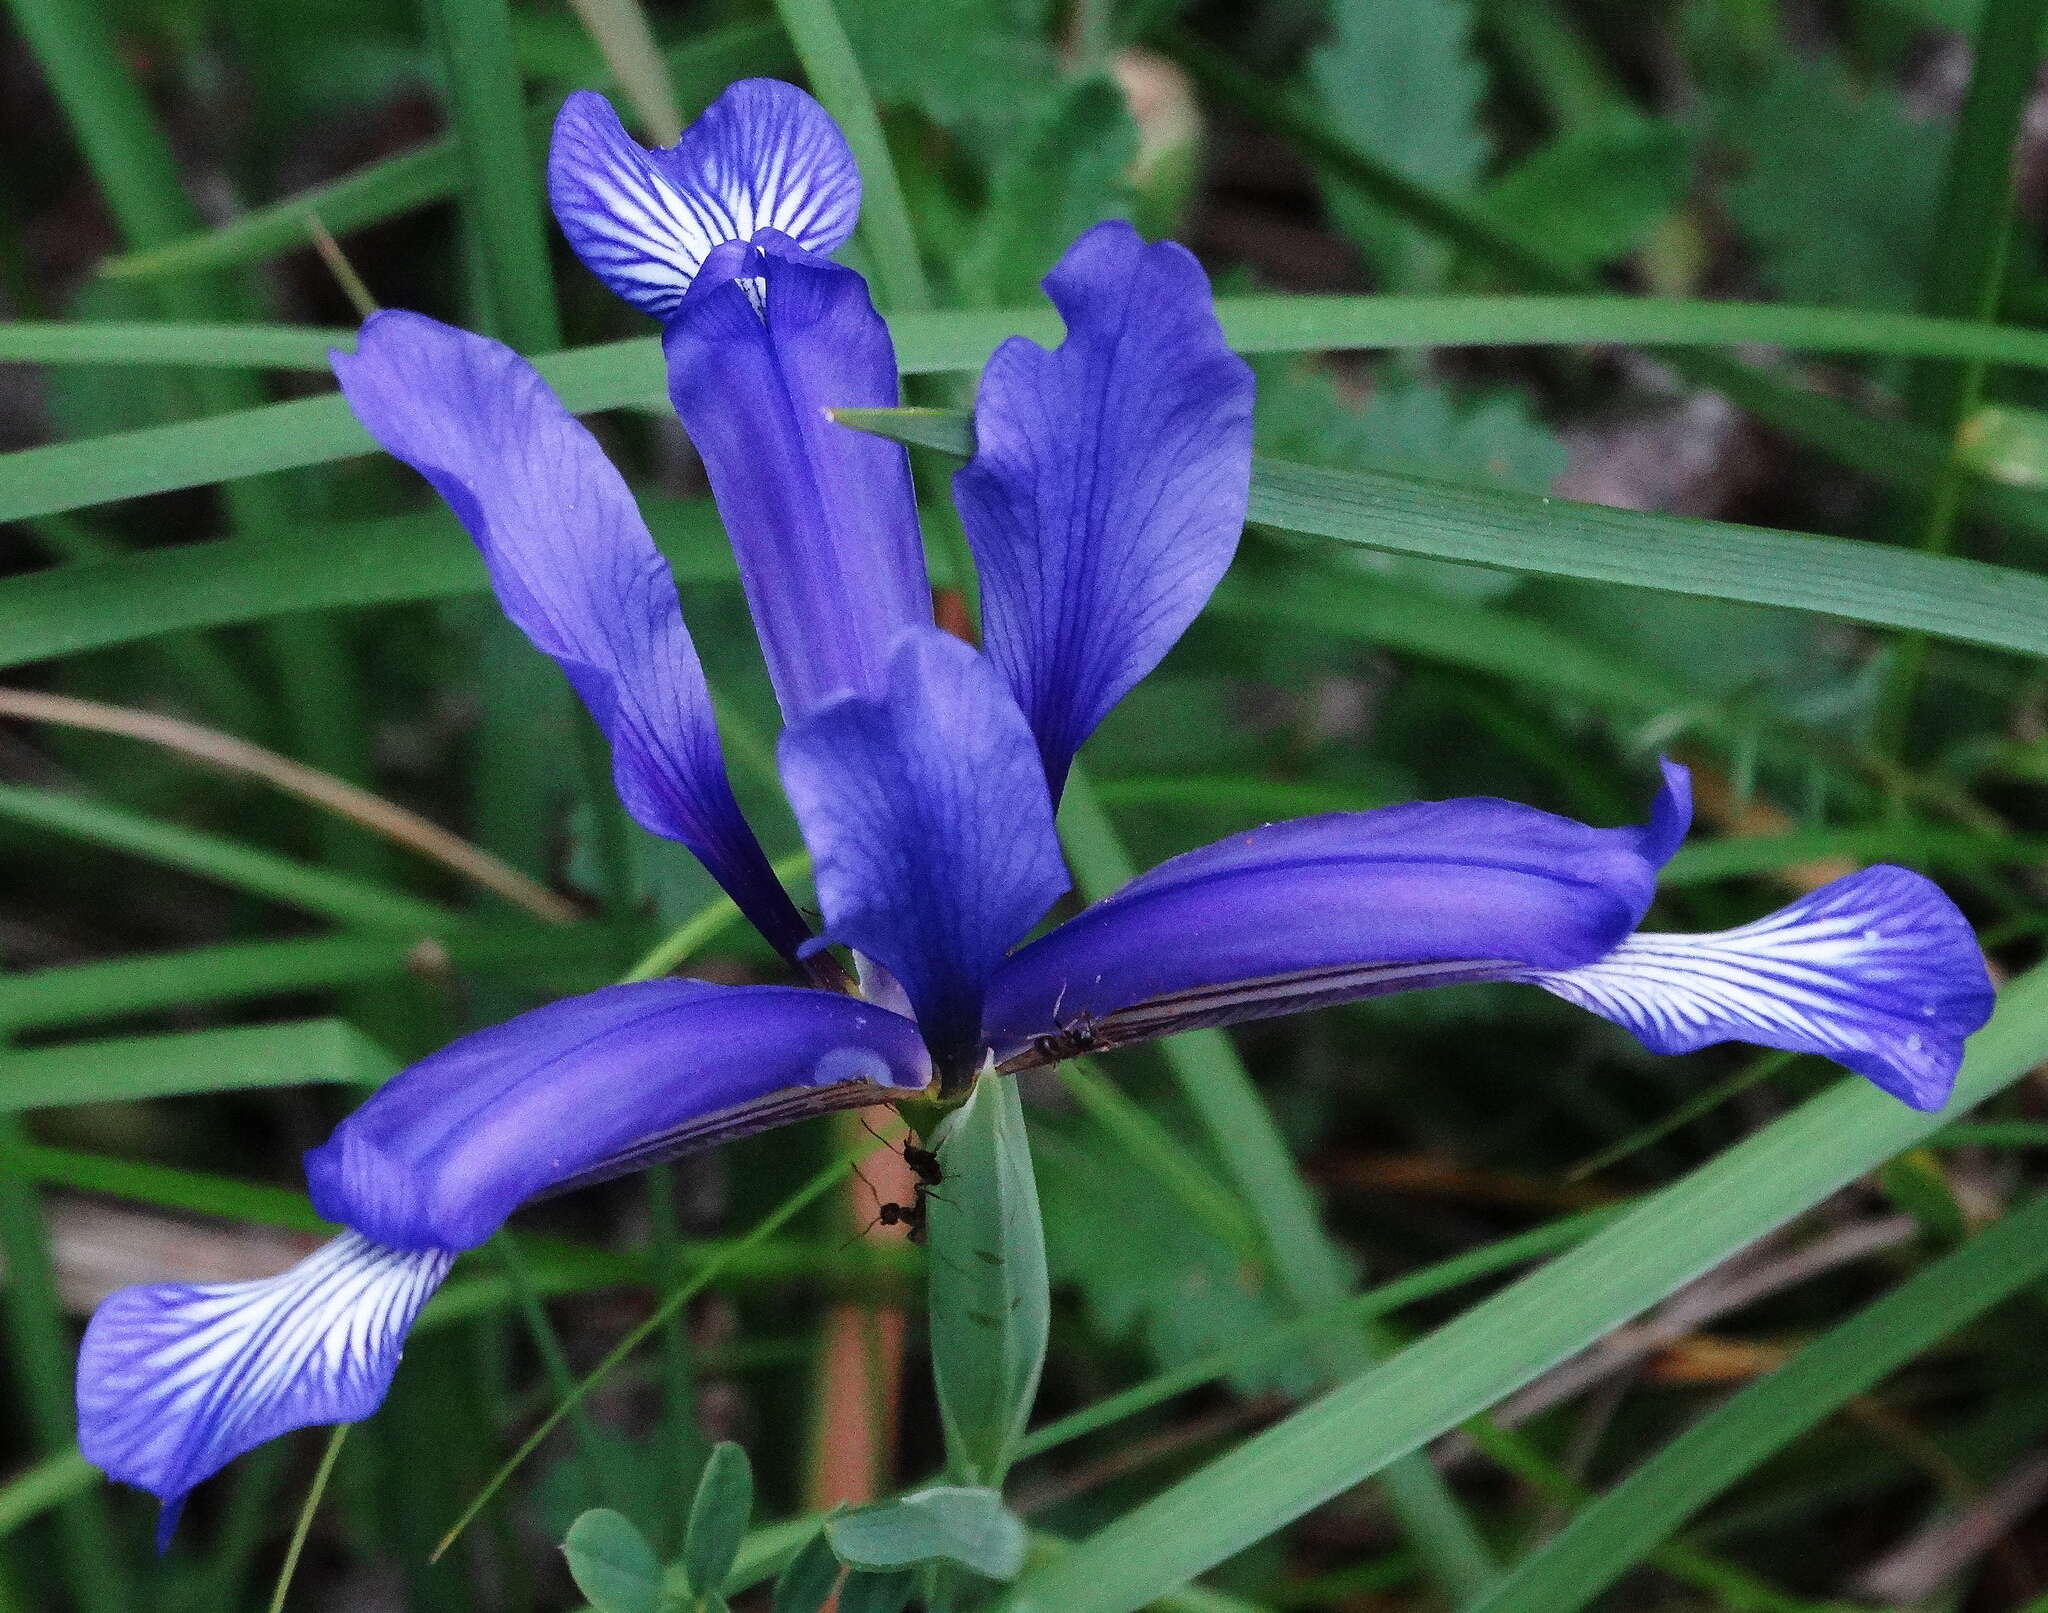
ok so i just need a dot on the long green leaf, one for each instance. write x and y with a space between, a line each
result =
232 347
1494 1348
1400 514
235 1059
1637 1515
341 897
311 431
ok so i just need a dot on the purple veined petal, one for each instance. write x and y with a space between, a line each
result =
823 520
927 817
1108 487
1329 909
1877 971
763 156
591 1087
574 568
176 1381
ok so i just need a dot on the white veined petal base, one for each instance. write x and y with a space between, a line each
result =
1877 970
175 1381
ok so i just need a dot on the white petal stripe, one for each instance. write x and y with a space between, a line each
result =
175 1381
1877 970
763 156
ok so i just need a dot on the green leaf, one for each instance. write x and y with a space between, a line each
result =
1865 582
807 1581
1399 77
1061 175
1637 1515
1840 187
1595 191
990 1309
1497 1346
948 1523
718 1519
236 1059
314 431
612 1564
243 347
972 66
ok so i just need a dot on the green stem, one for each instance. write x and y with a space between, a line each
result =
1965 270
41 1355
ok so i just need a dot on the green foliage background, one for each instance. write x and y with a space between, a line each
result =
1633 379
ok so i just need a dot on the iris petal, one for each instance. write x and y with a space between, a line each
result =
1877 971
823 520
763 156
592 1086
175 1381
927 817
1109 482
574 568
1327 909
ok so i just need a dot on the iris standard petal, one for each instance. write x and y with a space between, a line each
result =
175 1381
592 1086
823 520
927 817
763 156
1108 486
1322 910
573 566
1877 971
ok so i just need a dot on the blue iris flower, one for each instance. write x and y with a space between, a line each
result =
1103 503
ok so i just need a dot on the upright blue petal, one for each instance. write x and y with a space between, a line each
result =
763 156
575 570
176 1381
592 1086
1108 485
1322 910
927 816
823 520
1877 971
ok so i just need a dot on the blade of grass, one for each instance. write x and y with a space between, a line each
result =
621 33
85 993
303 1528
1636 1516
1965 270
237 1058
341 897
311 431
1492 1349
1399 514
40 1356
230 347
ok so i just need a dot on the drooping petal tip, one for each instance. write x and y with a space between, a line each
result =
176 1381
1877 971
763 156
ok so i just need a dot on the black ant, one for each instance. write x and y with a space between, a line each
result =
1077 1035
924 1165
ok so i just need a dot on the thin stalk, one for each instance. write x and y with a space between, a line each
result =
1309 1268
1965 271
41 1354
304 1527
554 1363
819 39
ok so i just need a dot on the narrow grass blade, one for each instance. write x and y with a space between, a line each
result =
1635 1516
229 347
341 897
235 1059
